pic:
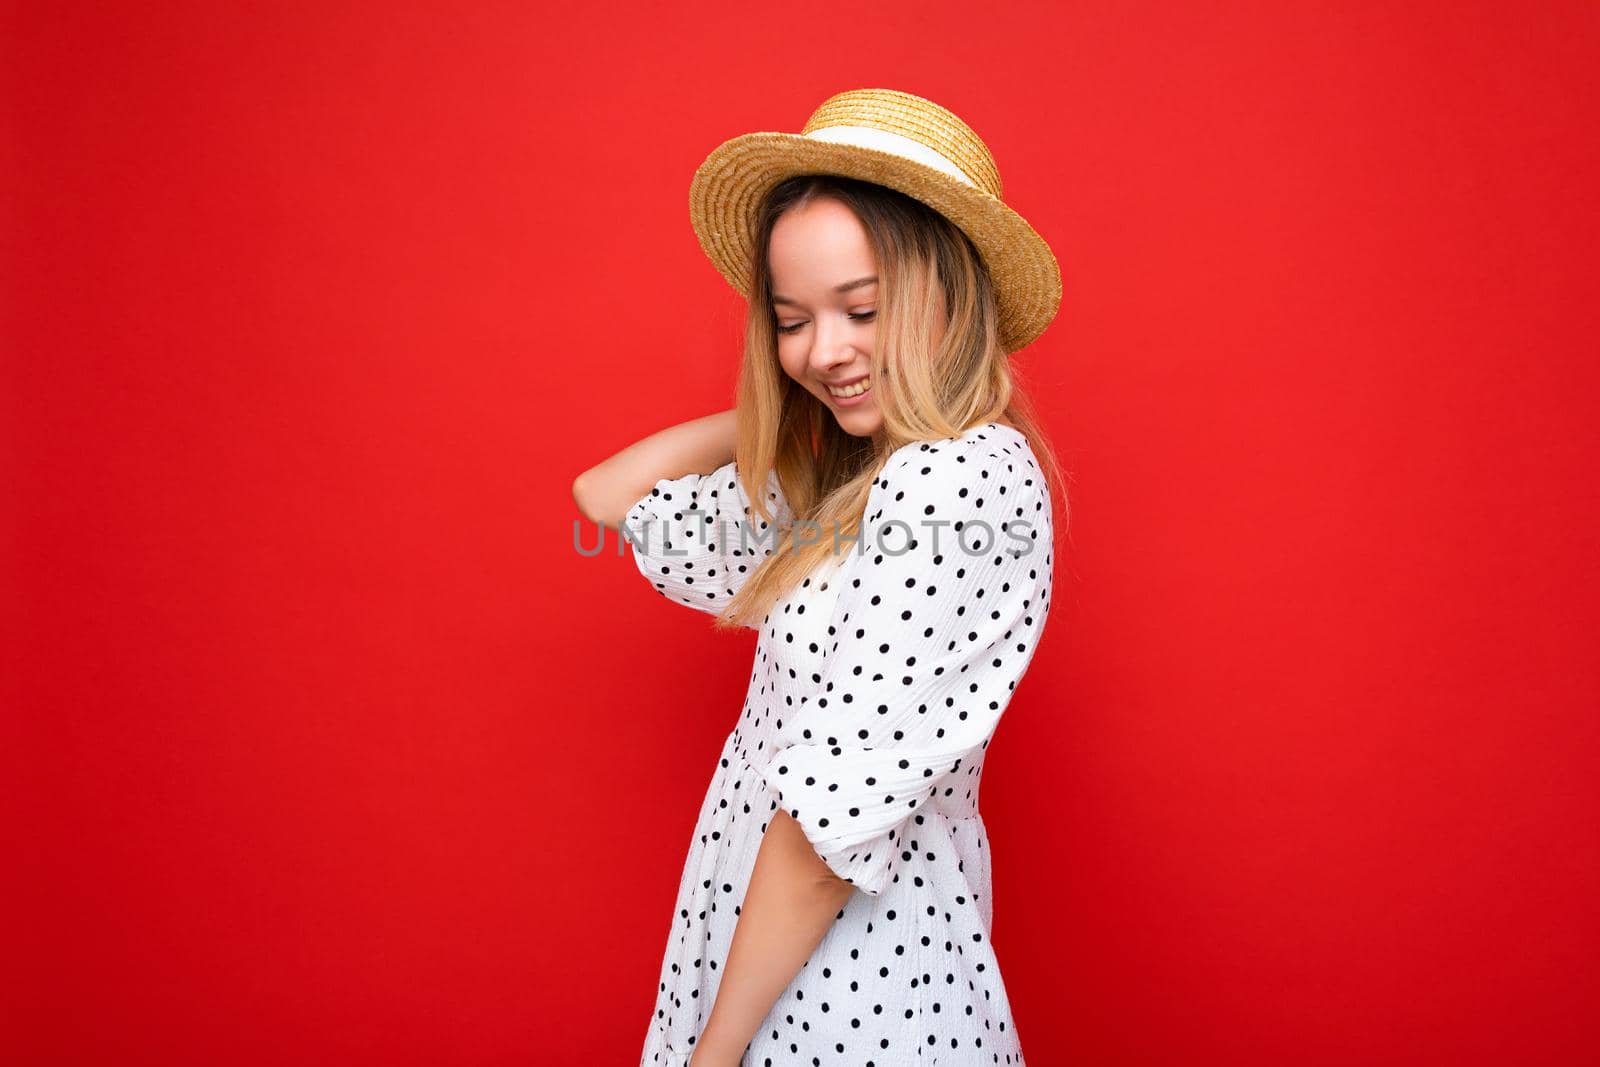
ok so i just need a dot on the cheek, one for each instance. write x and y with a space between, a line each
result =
792 361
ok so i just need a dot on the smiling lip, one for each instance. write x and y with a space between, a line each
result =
847 382
852 401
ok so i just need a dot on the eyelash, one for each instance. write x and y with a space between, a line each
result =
864 316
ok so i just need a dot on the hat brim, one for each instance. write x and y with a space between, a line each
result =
727 189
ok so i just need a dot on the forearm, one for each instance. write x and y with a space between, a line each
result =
791 901
604 492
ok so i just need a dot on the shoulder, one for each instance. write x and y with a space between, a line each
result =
980 495
991 460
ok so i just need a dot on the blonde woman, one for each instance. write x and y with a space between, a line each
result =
878 506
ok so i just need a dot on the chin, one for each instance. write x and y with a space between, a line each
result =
865 422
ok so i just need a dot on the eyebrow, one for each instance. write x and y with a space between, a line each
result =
845 288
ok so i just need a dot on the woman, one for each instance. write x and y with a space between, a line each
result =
877 507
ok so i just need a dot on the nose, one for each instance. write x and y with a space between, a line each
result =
829 352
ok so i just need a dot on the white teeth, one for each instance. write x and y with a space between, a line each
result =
852 390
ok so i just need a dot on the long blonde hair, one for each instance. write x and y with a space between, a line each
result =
936 347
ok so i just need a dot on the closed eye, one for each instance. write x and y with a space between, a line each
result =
864 316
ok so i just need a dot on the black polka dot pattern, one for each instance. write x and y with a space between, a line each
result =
876 688
697 537
928 645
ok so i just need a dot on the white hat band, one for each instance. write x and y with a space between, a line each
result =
893 143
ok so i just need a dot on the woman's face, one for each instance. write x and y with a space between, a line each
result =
825 305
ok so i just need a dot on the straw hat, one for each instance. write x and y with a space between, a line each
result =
904 142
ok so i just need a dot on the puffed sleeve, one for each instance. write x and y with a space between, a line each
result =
696 538
929 643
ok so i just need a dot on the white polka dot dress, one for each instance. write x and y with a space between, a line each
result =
875 690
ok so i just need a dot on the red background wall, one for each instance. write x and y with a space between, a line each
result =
323 745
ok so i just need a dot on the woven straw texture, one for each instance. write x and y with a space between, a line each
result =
728 187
